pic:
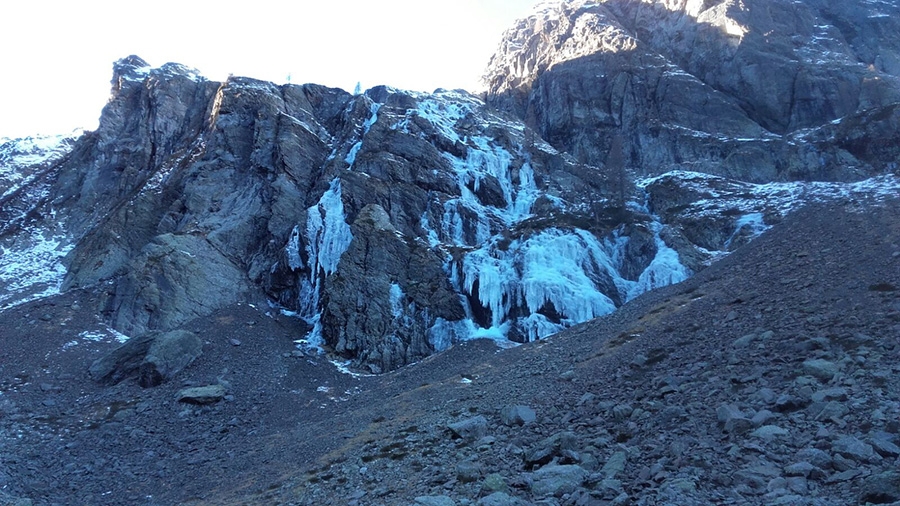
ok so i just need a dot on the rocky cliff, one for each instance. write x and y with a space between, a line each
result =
394 224
742 89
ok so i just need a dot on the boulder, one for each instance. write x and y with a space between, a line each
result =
552 447
154 358
168 355
470 429
517 415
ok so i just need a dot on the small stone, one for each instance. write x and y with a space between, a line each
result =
827 410
769 432
470 429
553 446
557 481
494 482
500 499
761 417
744 341
235 342
468 471
885 448
816 457
883 488
767 395
830 394
821 369
434 500
639 360
202 395
847 475
621 412
615 464
568 375
799 469
517 415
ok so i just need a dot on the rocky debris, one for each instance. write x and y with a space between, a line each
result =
154 358
823 370
558 446
882 488
500 499
202 395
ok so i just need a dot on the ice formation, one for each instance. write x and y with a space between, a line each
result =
327 236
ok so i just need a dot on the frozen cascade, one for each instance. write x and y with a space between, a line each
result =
555 267
327 232
292 250
327 238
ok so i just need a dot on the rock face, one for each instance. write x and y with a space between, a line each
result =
741 89
395 224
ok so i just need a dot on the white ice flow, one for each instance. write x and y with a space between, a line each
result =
326 236
556 271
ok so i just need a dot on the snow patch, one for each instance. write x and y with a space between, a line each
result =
34 270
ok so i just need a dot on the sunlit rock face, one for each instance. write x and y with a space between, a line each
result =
742 89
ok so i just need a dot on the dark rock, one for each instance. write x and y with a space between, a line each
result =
853 448
154 357
468 471
435 500
550 448
500 499
210 394
823 370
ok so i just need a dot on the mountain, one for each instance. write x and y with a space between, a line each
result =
227 242
744 89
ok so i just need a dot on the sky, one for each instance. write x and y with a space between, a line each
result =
56 55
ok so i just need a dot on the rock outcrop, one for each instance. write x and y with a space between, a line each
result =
740 89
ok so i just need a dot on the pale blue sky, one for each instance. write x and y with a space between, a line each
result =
57 55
